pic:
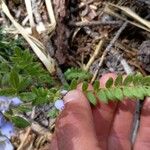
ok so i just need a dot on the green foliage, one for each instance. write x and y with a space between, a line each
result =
132 87
73 84
41 96
22 73
23 76
91 97
84 86
78 74
53 113
20 122
7 44
96 85
109 83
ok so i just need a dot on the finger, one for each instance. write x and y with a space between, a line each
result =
103 115
75 128
120 134
79 87
143 137
54 145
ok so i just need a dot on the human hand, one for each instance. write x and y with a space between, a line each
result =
104 127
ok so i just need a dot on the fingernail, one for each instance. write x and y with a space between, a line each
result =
73 95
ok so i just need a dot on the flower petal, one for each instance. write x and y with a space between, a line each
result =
4 103
59 104
7 129
2 120
5 144
15 101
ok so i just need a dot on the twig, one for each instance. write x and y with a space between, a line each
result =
25 20
91 33
137 65
36 11
126 67
96 52
108 49
28 132
95 23
29 10
51 14
60 74
37 15
24 140
123 62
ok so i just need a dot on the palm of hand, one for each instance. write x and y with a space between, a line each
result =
104 127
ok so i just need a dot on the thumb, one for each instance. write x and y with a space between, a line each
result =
74 127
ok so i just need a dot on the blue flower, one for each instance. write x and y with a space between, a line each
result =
15 101
2 120
5 143
59 104
4 103
7 130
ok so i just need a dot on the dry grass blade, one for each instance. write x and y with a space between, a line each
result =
29 11
46 60
96 52
140 22
51 15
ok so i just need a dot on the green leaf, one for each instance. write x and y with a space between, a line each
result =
91 97
27 96
84 86
147 91
14 79
127 92
23 109
78 74
136 91
96 85
5 80
137 79
128 80
118 93
146 80
20 122
7 91
118 80
102 96
41 96
109 94
53 113
24 83
109 83
73 84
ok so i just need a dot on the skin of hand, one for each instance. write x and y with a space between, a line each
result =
81 126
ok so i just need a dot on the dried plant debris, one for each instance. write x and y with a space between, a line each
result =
144 55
